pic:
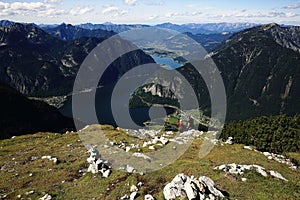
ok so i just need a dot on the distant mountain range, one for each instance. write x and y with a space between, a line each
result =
208 35
260 66
205 28
117 28
68 32
209 28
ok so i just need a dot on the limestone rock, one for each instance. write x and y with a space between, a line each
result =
210 184
239 169
29 192
97 164
129 169
106 173
149 197
169 192
229 140
140 184
276 157
50 158
151 147
277 175
185 186
191 190
133 195
133 188
141 155
46 197
261 170
248 147
124 197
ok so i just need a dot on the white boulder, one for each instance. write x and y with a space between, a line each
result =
129 169
185 186
229 140
133 188
141 155
46 197
97 164
248 147
149 197
133 195
210 184
277 175
191 190
169 192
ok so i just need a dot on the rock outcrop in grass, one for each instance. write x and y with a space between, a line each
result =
192 188
97 164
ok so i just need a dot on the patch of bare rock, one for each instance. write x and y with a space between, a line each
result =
193 188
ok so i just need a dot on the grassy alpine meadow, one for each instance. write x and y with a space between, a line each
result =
24 174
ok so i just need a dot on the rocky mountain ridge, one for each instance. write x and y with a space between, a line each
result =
285 36
260 70
69 32
38 64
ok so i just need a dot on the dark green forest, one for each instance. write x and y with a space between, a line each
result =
276 134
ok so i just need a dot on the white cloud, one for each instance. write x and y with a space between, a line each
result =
4 9
114 11
52 12
110 9
154 3
130 2
183 14
281 14
4 5
153 17
294 6
196 13
29 6
40 9
23 8
81 10
52 1
289 14
252 15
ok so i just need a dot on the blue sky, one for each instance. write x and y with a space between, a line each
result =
151 11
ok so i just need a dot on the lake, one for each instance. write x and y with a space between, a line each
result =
166 62
103 103
104 111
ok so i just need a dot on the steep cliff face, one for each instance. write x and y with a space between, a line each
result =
287 37
261 69
158 90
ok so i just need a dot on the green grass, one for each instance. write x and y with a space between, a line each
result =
63 181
